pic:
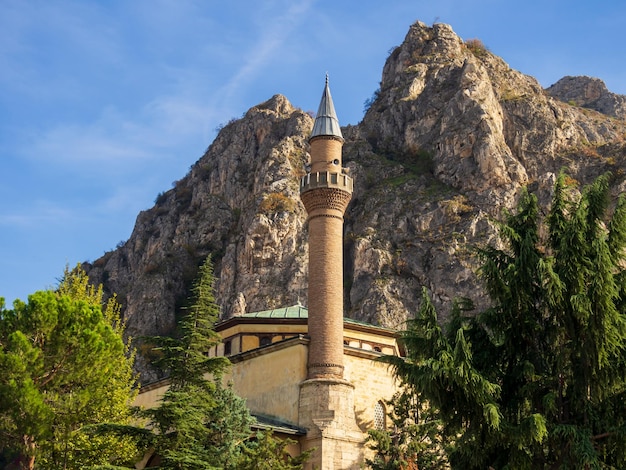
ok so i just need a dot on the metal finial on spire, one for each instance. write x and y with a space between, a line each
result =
326 78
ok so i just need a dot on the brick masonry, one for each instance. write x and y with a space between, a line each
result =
325 207
326 403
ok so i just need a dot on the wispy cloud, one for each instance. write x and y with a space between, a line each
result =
274 34
175 112
73 144
46 47
39 215
117 140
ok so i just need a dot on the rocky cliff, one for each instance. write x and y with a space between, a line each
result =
448 141
589 93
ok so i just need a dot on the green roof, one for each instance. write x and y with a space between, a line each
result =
295 311
299 312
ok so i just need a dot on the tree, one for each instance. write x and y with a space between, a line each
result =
64 366
414 439
265 452
553 342
439 371
198 424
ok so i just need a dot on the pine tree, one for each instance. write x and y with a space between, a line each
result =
588 420
64 366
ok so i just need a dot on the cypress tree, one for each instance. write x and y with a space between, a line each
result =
198 424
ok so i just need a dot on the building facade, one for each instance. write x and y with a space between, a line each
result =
269 351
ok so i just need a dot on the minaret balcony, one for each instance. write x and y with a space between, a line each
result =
326 179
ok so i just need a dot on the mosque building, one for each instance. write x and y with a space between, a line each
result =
310 374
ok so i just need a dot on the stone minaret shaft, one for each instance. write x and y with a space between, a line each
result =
326 191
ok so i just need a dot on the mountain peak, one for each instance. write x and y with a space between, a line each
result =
450 140
589 92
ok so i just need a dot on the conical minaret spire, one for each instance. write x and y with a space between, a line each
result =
326 122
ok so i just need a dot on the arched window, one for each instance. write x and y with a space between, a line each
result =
265 340
380 416
227 348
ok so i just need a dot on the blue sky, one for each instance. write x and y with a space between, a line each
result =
103 104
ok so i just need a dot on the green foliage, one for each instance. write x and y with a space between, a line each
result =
550 352
199 426
64 367
276 202
367 104
199 423
440 370
266 452
185 357
414 440
476 47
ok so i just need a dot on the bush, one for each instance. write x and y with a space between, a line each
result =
476 47
367 104
160 199
276 202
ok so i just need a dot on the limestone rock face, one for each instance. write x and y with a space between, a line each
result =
239 203
450 139
589 93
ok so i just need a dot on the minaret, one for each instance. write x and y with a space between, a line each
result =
326 191
326 407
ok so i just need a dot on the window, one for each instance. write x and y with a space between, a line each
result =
380 417
227 348
265 340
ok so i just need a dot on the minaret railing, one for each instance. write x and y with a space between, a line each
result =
326 179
